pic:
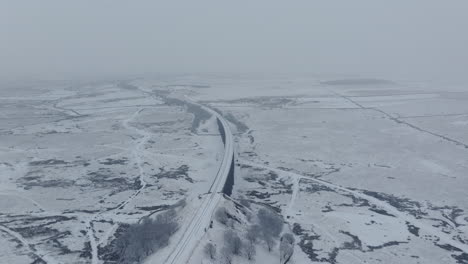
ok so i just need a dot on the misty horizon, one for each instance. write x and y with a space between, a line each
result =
418 40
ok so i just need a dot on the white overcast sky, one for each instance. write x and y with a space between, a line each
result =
419 39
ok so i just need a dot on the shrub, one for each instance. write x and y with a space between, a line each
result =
210 250
221 216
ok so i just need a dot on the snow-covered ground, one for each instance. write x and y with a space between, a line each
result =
361 171
77 162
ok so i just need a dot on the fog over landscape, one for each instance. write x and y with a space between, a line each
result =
420 39
233 132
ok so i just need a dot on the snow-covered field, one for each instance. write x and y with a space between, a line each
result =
78 162
361 171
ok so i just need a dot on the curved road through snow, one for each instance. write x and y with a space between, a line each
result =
202 217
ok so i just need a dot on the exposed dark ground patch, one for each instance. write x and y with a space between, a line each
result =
156 208
251 137
451 213
448 247
327 208
86 251
356 201
269 181
249 154
24 220
445 225
81 211
387 244
36 231
177 173
109 161
258 195
49 162
105 178
402 204
199 114
355 244
29 182
56 243
306 243
461 257
42 227
413 229
313 187
380 211
307 238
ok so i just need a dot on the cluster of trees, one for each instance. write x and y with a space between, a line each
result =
267 229
145 237
233 246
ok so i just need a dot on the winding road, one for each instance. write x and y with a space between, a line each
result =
202 217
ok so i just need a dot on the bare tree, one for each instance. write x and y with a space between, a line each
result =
271 225
253 233
250 251
221 216
270 221
210 250
232 242
286 248
226 255
252 236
